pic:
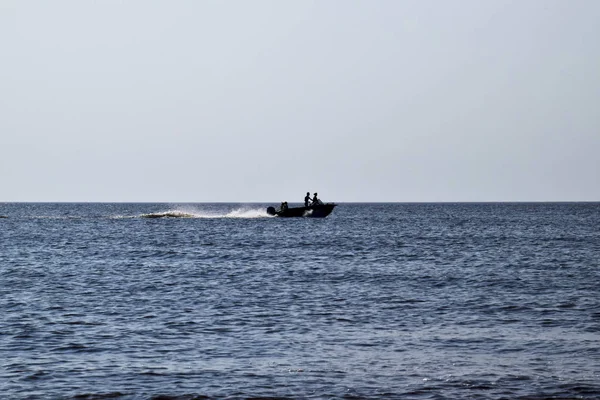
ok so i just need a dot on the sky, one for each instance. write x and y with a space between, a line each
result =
262 101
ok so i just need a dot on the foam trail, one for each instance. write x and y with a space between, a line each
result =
237 213
169 214
248 213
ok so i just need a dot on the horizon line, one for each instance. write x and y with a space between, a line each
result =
300 202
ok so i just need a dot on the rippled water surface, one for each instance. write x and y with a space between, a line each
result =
411 301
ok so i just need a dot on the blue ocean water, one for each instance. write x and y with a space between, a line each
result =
377 301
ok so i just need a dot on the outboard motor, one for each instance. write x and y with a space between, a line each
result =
271 211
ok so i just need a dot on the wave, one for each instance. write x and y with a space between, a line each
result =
237 213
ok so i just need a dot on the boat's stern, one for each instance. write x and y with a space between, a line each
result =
271 211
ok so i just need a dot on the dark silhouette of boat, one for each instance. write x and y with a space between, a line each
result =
316 211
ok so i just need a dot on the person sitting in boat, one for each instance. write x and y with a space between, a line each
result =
316 201
307 199
284 206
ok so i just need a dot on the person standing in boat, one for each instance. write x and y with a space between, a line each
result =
316 201
307 199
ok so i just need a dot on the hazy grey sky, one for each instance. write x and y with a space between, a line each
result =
248 101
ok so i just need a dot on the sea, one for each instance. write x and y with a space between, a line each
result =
377 301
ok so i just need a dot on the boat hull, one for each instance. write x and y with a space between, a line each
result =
318 211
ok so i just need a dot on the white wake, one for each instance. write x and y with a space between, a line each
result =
192 213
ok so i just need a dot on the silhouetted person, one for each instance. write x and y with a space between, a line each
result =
307 199
284 206
315 200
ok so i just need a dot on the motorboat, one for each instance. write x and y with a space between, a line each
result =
315 211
